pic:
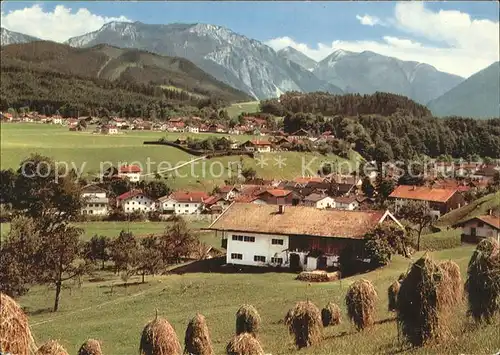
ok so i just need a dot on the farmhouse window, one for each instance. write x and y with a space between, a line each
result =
259 258
277 241
277 261
249 239
236 256
480 224
245 238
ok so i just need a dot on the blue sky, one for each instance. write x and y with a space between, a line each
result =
313 27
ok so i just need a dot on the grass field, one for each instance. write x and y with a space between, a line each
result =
476 208
86 151
117 318
235 109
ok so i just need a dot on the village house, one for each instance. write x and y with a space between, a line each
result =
255 145
277 196
118 122
229 192
300 135
349 203
292 236
192 129
320 201
109 129
439 200
475 229
183 202
135 200
132 172
94 201
57 120
216 204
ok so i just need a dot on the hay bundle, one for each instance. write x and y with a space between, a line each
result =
360 301
483 281
392 294
244 344
305 324
52 347
288 317
15 334
90 347
330 315
452 294
247 320
197 339
422 303
159 338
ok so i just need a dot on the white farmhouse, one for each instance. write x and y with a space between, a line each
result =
183 202
136 200
477 228
292 236
348 203
132 172
257 146
320 201
95 201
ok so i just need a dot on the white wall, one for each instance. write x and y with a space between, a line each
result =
95 209
187 207
262 246
131 176
94 194
486 231
325 203
400 202
138 203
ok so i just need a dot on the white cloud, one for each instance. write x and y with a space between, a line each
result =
368 20
462 45
58 25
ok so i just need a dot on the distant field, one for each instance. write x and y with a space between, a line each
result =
235 109
118 317
78 148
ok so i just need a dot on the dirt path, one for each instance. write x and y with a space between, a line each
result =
176 167
104 66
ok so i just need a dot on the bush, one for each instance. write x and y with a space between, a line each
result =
442 240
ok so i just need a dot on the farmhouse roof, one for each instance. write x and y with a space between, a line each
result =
423 193
298 220
314 197
130 169
190 196
257 142
276 192
491 220
90 188
346 199
130 194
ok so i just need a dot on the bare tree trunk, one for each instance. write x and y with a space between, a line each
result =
418 238
143 273
58 294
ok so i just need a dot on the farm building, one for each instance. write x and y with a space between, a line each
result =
94 201
440 200
183 202
135 200
292 236
319 201
257 146
349 203
132 172
109 129
475 229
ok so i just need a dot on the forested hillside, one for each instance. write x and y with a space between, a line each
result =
47 76
386 126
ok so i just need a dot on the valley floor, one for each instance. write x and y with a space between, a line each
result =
116 315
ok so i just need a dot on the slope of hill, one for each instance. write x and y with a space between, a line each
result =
478 96
10 37
111 63
476 208
368 72
243 63
298 57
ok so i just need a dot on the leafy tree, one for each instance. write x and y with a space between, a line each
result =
367 187
7 184
149 257
384 188
176 242
384 241
97 249
249 173
123 251
418 213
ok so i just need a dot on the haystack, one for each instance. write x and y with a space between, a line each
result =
305 324
197 339
330 315
360 301
392 294
244 344
15 334
52 347
90 347
318 276
422 303
483 281
247 320
158 337
453 295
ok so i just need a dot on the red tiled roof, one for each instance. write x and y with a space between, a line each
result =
259 142
130 169
305 180
297 220
245 198
190 196
492 220
226 188
277 192
129 194
213 199
423 193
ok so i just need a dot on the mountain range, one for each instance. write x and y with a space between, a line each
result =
477 96
243 63
257 70
10 37
118 64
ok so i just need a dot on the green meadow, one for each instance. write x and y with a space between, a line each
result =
86 152
236 109
102 309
